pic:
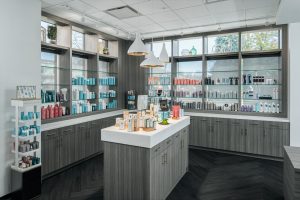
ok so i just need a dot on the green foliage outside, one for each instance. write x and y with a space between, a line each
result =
264 40
226 43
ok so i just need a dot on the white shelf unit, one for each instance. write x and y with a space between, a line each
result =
26 106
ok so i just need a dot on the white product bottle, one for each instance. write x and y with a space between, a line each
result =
266 107
277 110
273 107
261 107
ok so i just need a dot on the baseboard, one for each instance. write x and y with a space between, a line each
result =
46 176
238 153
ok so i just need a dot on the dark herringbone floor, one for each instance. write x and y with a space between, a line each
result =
211 176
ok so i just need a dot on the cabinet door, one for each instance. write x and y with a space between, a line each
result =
184 150
98 137
194 131
275 137
236 134
68 146
81 140
157 164
220 134
177 157
204 132
168 167
254 136
50 151
94 140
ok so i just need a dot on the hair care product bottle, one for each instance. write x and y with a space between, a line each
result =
277 110
266 107
261 107
273 107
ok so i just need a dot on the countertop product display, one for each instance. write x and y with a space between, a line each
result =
143 138
145 165
291 173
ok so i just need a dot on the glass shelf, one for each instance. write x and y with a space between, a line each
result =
259 70
53 67
221 71
221 85
261 85
187 85
53 84
245 99
222 98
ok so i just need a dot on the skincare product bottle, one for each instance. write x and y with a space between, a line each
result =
277 110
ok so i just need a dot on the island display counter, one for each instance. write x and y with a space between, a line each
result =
145 164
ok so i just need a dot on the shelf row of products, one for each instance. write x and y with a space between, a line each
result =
27 146
28 161
29 130
250 94
247 80
259 107
54 111
110 80
84 107
52 96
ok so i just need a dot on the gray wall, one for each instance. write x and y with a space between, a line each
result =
134 75
20 65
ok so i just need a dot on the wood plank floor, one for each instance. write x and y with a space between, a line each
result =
211 176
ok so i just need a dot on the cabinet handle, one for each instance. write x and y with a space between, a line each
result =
163 159
168 142
61 141
245 131
166 158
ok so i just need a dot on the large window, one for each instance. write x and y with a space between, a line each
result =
77 40
223 43
260 40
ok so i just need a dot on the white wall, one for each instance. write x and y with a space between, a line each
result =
19 65
294 64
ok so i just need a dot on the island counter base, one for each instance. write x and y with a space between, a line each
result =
138 173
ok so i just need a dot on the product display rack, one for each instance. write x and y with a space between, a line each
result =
226 91
27 134
159 84
64 72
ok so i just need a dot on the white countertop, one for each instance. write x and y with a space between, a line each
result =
246 117
70 122
143 138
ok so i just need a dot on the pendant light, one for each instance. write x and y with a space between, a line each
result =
164 57
151 61
137 48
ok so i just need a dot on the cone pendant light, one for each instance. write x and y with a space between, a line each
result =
137 48
151 62
164 57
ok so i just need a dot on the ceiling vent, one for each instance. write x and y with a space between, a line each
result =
123 12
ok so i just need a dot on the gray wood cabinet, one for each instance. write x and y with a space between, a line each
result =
64 146
152 173
247 136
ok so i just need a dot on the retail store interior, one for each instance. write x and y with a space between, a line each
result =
150 100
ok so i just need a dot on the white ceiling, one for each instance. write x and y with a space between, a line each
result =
165 17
